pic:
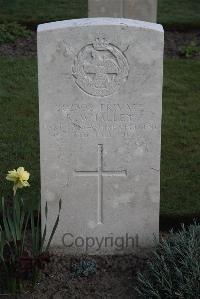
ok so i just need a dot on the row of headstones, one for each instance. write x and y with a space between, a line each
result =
100 98
144 10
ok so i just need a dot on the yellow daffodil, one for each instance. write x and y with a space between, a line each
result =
19 177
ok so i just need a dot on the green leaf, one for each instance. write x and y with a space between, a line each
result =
46 210
16 219
55 225
2 244
24 232
43 238
38 236
5 222
60 205
12 227
52 233
33 231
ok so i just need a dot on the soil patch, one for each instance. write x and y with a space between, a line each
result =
113 277
175 41
23 46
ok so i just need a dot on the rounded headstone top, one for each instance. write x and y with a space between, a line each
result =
99 22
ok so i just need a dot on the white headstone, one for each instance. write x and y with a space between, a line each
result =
143 10
100 98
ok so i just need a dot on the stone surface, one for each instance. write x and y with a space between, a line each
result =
144 10
103 8
100 97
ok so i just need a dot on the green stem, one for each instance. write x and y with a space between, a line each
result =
36 275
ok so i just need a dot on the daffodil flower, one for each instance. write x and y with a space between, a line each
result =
19 177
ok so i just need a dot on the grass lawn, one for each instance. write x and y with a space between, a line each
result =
170 12
19 133
38 11
19 136
179 13
180 176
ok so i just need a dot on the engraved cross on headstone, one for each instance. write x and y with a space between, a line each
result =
101 67
100 173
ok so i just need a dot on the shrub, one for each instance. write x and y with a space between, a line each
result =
191 50
174 271
84 268
11 31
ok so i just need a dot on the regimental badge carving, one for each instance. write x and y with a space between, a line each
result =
100 68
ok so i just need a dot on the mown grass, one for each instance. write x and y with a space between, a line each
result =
181 14
39 11
19 133
170 12
180 177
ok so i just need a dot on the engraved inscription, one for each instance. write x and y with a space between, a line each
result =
104 120
100 173
100 68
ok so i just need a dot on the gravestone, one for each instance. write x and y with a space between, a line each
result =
143 10
100 100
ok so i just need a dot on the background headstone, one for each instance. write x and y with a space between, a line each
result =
143 10
100 98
